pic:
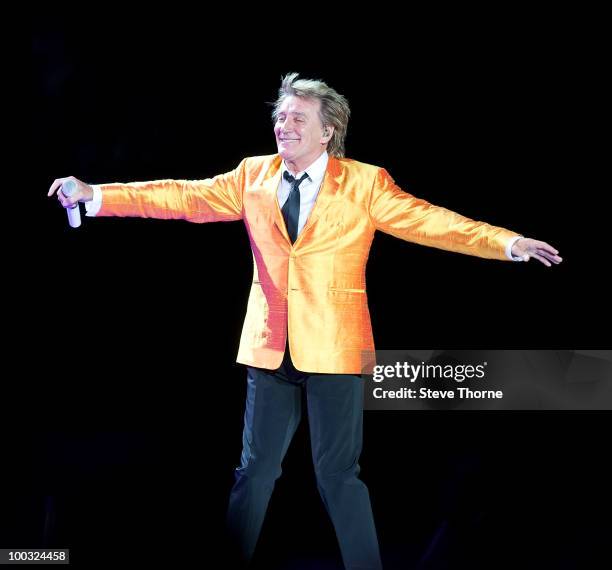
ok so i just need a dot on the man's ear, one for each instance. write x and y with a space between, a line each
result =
328 132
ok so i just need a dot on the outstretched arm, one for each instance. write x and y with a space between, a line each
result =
402 215
210 200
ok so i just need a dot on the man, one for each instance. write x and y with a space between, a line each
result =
311 215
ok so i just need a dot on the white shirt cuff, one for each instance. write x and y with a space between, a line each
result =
93 206
509 245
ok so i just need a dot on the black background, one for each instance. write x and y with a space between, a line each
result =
132 401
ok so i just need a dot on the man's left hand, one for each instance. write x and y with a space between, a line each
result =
540 250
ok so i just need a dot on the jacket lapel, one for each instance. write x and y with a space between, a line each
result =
270 187
326 195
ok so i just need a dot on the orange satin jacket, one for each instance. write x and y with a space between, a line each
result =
316 286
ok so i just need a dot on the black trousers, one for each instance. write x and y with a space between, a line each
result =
335 416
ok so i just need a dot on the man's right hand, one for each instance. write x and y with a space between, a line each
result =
84 192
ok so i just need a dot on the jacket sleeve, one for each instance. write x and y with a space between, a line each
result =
400 214
217 199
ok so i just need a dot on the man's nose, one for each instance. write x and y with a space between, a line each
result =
285 125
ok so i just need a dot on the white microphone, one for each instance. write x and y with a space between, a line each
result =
74 214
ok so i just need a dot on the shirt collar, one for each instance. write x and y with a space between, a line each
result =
315 171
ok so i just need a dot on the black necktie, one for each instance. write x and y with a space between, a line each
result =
291 208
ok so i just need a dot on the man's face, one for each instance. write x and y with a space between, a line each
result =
299 132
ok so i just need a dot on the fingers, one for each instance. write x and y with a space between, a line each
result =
541 258
56 184
543 252
66 201
542 245
548 252
550 256
545 257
